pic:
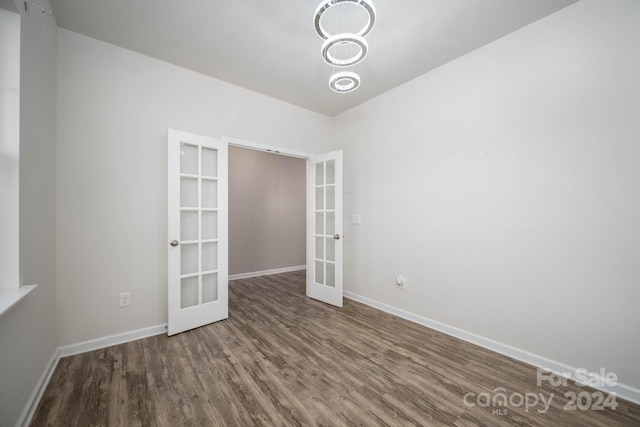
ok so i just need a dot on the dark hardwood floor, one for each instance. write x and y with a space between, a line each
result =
282 359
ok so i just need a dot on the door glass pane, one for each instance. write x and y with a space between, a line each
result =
331 172
331 274
188 292
320 247
319 223
209 162
209 256
320 272
319 173
331 251
189 258
209 225
331 223
188 192
319 199
188 225
209 287
188 159
209 194
331 197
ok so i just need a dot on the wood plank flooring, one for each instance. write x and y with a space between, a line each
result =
282 359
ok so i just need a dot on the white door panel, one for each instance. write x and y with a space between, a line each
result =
197 231
324 228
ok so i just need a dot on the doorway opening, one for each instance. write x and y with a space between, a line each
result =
324 244
267 212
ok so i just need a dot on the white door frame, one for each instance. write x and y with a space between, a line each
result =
234 142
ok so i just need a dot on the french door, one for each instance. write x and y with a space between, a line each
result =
197 231
324 228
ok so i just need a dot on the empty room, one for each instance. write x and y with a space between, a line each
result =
320 212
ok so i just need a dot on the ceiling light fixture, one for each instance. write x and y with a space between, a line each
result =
328 4
344 39
344 81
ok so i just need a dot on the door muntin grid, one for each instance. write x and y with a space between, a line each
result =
199 239
325 224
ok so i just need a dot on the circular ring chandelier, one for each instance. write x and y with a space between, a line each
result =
344 81
344 39
328 4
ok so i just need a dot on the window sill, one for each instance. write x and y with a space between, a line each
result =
9 298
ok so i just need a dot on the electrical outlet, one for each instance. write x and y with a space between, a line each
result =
125 299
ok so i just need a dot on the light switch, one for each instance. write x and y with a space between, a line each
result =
356 219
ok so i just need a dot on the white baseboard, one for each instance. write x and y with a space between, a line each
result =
624 391
32 404
266 272
108 341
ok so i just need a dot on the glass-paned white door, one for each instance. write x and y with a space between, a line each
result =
197 231
324 228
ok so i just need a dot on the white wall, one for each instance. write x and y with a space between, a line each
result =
28 332
114 108
506 186
267 211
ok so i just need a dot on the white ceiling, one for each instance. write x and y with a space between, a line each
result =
270 46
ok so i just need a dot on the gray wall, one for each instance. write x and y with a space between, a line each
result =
267 205
28 336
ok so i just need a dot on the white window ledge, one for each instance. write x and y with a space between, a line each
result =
9 298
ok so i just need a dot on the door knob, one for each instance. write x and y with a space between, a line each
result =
336 236
173 243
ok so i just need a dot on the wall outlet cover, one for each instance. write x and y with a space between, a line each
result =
125 299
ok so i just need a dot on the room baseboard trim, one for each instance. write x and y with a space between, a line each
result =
266 272
108 341
32 404
623 391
